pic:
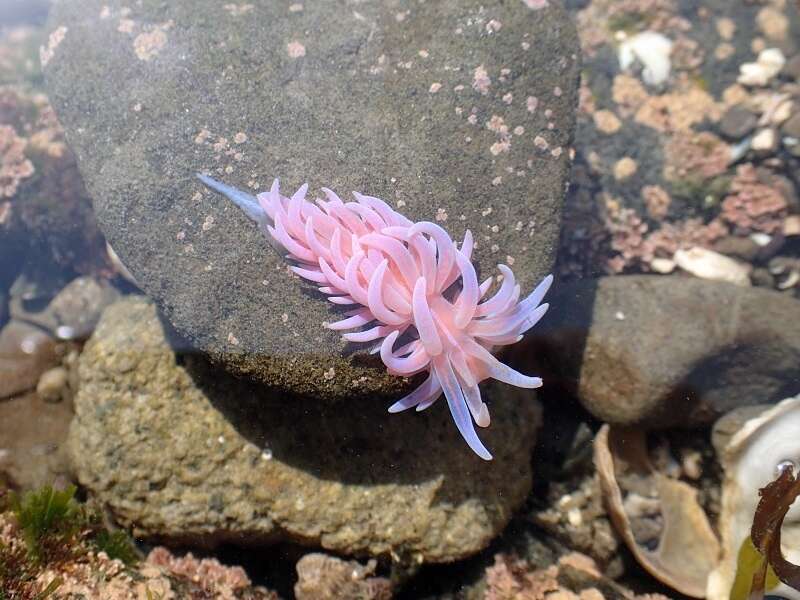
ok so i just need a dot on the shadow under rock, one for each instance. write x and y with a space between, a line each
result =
360 443
554 349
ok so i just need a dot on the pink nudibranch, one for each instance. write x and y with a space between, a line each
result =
397 275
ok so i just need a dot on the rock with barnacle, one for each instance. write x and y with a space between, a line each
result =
400 277
447 117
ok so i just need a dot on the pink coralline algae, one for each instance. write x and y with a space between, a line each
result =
323 577
636 246
574 577
208 573
753 205
399 276
14 165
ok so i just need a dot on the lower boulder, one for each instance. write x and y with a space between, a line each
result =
183 453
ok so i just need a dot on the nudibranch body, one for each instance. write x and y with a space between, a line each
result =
399 277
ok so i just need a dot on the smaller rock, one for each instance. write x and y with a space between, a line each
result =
743 248
758 74
53 384
652 49
792 126
761 277
624 168
662 265
25 353
773 23
737 122
782 112
685 352
33 436
765 142
791 225
574 577
761 239
73 312
707 264
785 271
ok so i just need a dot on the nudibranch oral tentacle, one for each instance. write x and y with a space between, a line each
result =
400 279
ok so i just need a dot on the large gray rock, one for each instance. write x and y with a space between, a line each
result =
673 350
181 453
390 98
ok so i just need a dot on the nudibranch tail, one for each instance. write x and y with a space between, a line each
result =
400 276
249 204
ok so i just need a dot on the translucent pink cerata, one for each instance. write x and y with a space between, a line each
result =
403 280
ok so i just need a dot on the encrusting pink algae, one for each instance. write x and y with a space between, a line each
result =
398 277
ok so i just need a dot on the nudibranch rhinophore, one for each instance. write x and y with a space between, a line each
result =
400 279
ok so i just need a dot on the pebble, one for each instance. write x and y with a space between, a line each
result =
653 50
73 312
52 384
761 277
791 225
765 141
662 265
737 122
760 73
782 112
624 168
707 264
25 353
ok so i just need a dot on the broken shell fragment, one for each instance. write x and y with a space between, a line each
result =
679 547
750 461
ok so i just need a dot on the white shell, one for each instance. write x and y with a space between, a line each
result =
750 461
707 264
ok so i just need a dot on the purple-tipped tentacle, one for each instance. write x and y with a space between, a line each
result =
458 405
